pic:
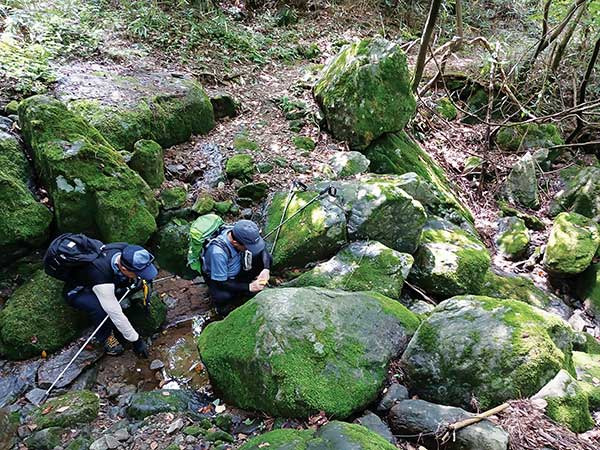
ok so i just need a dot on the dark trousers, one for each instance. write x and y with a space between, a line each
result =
85 300
224 297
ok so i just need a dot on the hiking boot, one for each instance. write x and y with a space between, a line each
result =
112 347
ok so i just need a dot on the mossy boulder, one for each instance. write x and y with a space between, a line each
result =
24 222
91 187
240 166
587 288
125 109
572 244
316 233
254 191
147 321
223 207
47 439
449 261
306 350
204 204
333 435
587 368
521 288
365 91
446 109
378 208
512 237
304 143
67 410
242 141
528 136
398 153
490 349
172 245
224 105
144 404
147 160
567 402
531 222
580 195
173 197
361 266
36 317
346 164
521 186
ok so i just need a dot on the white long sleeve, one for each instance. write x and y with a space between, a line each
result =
110 304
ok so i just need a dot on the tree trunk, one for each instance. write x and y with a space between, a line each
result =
583 88
560 50
434 11
459 20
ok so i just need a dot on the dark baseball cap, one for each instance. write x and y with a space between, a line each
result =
246 232
139 261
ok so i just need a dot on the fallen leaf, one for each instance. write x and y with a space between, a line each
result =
47 409
166 393
62 409
264 444
153 445
220 408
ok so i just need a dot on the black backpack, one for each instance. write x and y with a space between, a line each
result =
68 252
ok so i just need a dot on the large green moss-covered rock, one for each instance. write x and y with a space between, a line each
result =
91 187
240 166
587 288
125 109
316 233
379 208
67 410
295 351
346 164
580 195
24 221
520 288
397 153
334 435
521 186
512 237
365 91
528 136
490 349
587 368
361 266
147 321
36 317
572 244
567 402
172 246
449 260
147 160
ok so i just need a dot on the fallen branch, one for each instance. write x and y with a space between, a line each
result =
453 427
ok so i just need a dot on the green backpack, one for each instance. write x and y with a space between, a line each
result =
202 231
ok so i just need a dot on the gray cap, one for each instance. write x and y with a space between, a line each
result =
246 232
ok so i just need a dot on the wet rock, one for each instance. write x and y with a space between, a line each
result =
37 318
24 222
395 393
224 105
361 266
376 425
566 402
334 435
141 105
449 261
50 369
316 233
346 164
121 434
246 213
86 380
418 416
147 321
512 237
453 357
156 364
147 160
399 154
297 367
212 173
572 244
254 191
35 396
44 439
16 382
144 404
521 186
67 410
373 69
114 203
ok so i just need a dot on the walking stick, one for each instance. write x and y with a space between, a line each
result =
45 396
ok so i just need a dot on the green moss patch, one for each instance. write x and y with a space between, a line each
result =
240 166
172 245
147 160
528 136
174 197
512 238
67 410
587 367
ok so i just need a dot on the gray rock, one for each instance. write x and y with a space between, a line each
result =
111 441
7 430
418 416
86 380
121 434
395 393
16 381
375 424
99 444
51 368
246 213
346 164
190 439
512 237
156 364
521 185
44 439
36 395
175 426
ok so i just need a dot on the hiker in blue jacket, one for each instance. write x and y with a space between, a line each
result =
236 265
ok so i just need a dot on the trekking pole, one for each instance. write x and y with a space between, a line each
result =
290 196
45 396
330 190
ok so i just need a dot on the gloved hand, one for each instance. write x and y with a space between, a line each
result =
140 348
